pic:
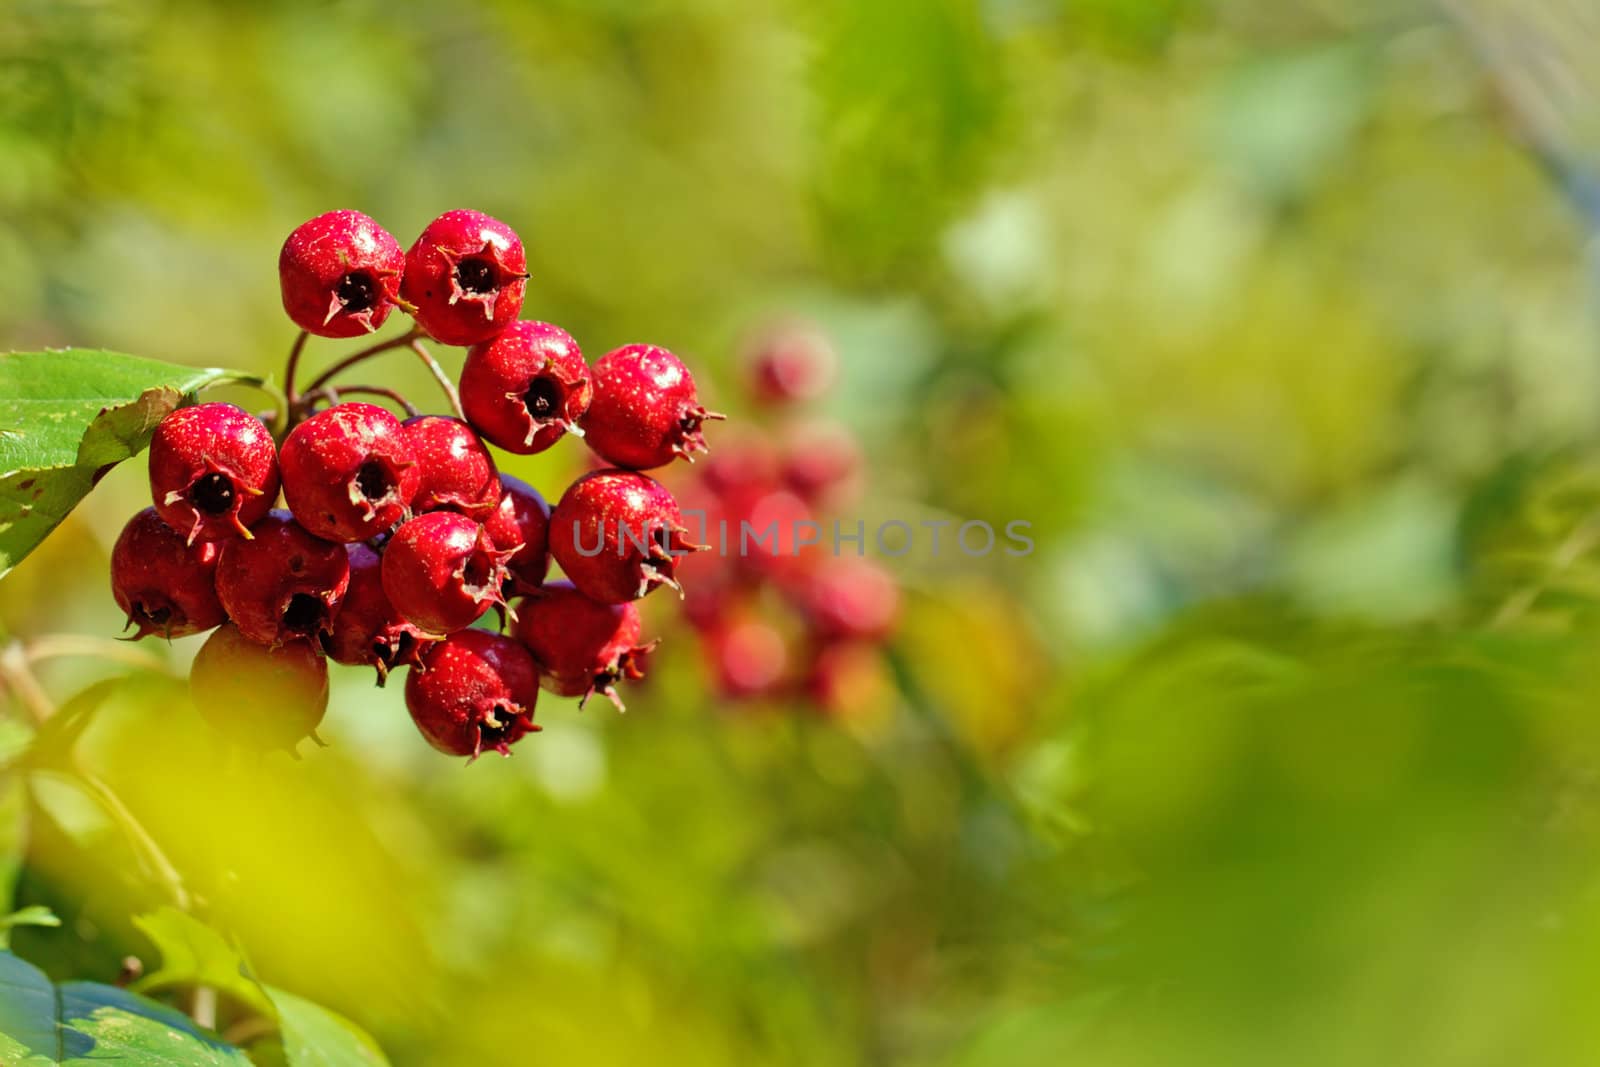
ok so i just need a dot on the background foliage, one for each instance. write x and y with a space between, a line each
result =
1270 319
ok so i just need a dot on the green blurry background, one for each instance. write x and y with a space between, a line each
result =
1274 320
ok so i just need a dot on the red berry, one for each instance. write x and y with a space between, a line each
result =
368 631
349 472
455 469
645 412
465 276
284 584
166 585
213 471
474 690
525 388
442 570
821 461
850 598
618 535
522 523
747 459
582 647
791 362
258 696
340 274
748 656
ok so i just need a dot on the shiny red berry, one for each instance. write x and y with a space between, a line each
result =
367 629
582 647
340 274
283 585
455 470
465 276
166 585
618 535
526 388
258 696
645 412
475 690
349 472
213 471
522 523
442 570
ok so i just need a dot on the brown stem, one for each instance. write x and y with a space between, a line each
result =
440 376
364 354
379 390
293 365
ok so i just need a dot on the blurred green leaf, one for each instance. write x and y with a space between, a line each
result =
84 1022
313 1036
32 915
65 418
193 954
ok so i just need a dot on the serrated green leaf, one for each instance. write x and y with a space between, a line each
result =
192 954
65 418
84 1023
313 1036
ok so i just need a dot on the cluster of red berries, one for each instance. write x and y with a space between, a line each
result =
398 536
793 618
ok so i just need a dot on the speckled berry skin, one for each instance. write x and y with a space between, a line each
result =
340 274
166 586
476 690
349 472
213 471
526 388
597 530
645 412
465 276
367 630
259 697
442 570
522 523
582 647
283 585
455 469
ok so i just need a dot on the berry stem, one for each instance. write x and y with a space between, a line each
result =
150 853
379 390
364 354
293 365
439 376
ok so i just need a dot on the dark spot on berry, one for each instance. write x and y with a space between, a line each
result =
154 616
476 275
543 398
297 564
374 481
495 732
304 613
477 570
358 291
213 494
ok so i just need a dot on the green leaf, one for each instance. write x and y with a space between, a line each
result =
67 416
32 915
313 1036
83 1023
192 954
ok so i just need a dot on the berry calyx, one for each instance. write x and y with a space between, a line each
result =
442 570
526 387
349 472
465 277
284 585
340 274
166 585
455 469
475 690
258 696
368 630
522 523
213 471
582 647
645 412
618 535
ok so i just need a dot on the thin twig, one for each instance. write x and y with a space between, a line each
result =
18 677
151 853
364 354
292 366
440 376
379 390
63 646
